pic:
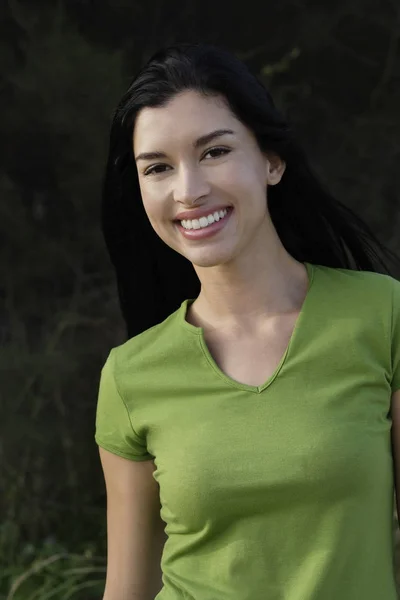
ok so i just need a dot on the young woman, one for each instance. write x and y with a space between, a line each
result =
249 427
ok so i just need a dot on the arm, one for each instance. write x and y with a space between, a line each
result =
135 530
395 410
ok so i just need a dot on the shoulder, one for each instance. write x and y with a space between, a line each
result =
355 284
144 348
366 297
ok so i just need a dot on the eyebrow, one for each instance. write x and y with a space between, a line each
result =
201 141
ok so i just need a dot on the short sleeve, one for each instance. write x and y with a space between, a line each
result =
396 336
114 430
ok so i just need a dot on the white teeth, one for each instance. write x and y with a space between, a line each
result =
204 221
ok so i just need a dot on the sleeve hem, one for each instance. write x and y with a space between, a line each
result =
121 453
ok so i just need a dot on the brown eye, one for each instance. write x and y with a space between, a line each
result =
217 152
155 170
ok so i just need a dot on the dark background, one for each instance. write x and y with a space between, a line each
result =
334 70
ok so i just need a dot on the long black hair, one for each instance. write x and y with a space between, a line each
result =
313 226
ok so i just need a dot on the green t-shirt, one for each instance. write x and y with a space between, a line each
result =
282 491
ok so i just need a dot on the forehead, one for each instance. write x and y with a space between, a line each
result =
187 115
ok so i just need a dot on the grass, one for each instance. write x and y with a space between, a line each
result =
52 573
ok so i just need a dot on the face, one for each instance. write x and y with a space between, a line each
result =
194 154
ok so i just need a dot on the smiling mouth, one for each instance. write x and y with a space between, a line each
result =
228 208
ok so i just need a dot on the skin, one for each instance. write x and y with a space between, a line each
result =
247 277
396 445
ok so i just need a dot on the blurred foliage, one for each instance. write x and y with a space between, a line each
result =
333 69
50 572
60 312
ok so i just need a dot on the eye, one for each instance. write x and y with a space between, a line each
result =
155 169
217 152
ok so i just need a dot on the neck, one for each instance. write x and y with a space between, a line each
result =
243 295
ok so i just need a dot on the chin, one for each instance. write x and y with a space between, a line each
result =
209 259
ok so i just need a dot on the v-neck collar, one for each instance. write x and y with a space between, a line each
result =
198 331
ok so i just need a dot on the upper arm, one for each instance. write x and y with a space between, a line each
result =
135 530
395 411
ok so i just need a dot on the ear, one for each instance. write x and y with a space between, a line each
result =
275 169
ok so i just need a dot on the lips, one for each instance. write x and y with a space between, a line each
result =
203 233
197 214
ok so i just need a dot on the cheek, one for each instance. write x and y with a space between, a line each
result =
243 178
230 177
156 210
152 202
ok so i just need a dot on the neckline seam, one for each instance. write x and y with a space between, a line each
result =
225 378
230 381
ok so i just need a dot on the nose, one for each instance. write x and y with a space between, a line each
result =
190 185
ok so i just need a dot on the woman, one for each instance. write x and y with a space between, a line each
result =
245 426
